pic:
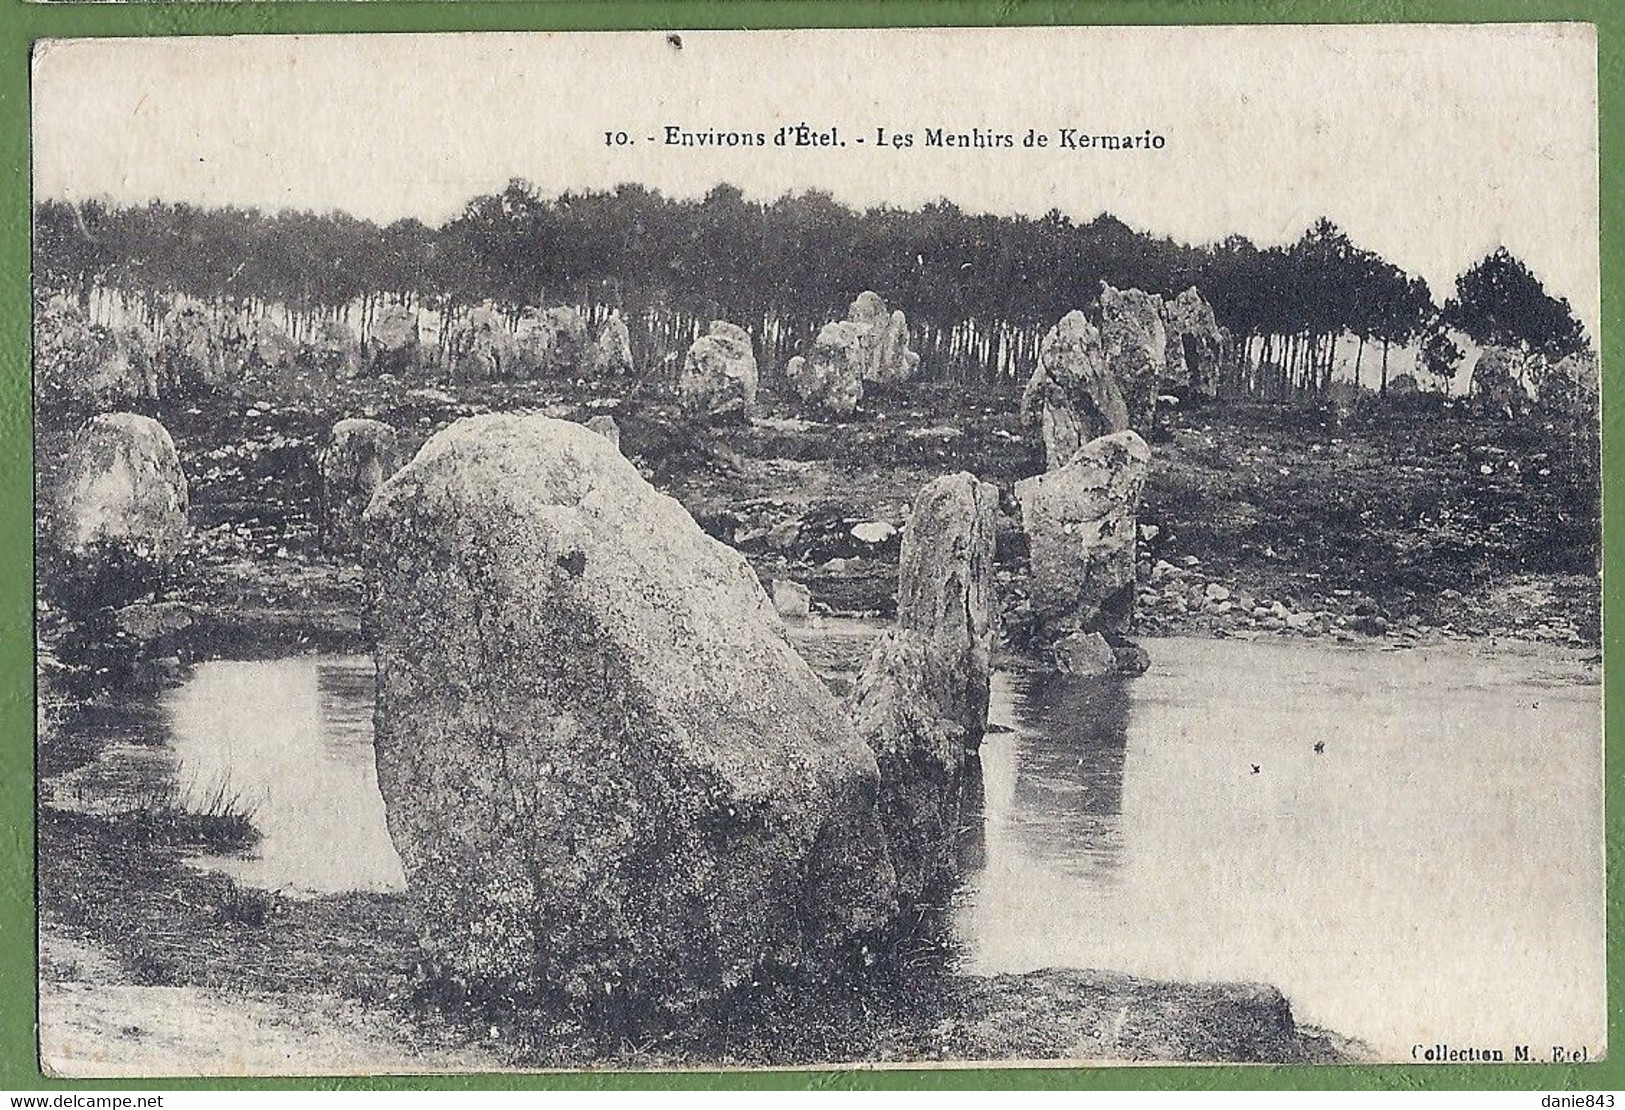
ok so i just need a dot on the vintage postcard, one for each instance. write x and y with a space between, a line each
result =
818 548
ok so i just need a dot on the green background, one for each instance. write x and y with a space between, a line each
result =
23 23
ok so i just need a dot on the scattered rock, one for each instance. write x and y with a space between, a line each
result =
119 513
1084 654
1072 393
607 772
791 600
874 532
1132 660
606 427
152 624
783 535
718 381
361 454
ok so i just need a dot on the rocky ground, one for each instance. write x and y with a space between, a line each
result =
1421 520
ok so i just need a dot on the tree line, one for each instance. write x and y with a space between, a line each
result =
979 289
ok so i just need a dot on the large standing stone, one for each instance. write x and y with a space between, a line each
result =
882 350
718 381
921 754
870 345
1570 387
1135 342
831 376
1080 525
605 769
333 350
1072 392
269 347
360 456
554 341
1496 381
394 340
88 365
482 347
191 355
612 351
1195 344
894 361
119 511
921 700
945 589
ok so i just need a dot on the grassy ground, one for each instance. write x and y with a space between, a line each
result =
129 932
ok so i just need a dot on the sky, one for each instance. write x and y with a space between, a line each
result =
1429 144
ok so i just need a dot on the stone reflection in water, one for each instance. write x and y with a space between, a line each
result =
1050 799
970 850
1068 781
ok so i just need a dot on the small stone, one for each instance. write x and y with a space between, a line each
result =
874 532
784 534
606 427
1085 654
791 600
1216 592
1132 660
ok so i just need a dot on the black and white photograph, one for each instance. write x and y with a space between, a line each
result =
826 548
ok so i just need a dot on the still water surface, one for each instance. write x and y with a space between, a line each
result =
1434 873
290 740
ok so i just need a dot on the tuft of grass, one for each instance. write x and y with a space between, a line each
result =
240 905
219 821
